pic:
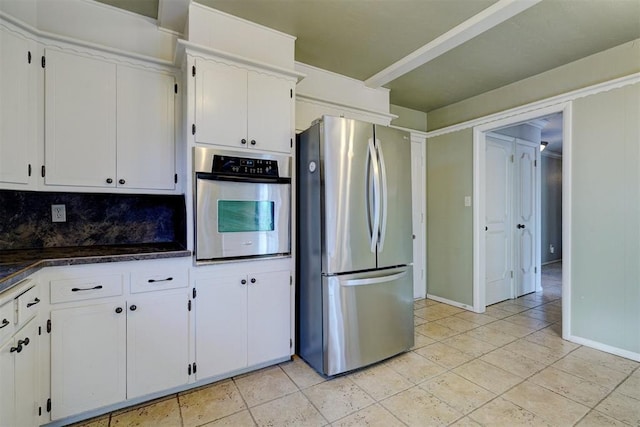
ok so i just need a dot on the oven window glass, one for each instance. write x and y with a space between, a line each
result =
245 215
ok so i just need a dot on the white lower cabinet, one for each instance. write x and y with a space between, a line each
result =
242 320
88 357
19 361
111 341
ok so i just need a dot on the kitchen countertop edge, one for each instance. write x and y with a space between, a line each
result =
9 281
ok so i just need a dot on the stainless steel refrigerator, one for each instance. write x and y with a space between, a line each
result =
354 250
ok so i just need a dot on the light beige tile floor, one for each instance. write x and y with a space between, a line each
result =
506 367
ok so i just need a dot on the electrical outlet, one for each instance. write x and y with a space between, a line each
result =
58 213
467 201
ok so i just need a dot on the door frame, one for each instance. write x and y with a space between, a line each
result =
479 166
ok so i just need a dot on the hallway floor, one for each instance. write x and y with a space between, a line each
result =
505 367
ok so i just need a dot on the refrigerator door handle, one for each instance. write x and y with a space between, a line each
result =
373 280
373 158
383 201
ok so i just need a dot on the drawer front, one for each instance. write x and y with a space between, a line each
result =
7 320
68 290
28 304
159 279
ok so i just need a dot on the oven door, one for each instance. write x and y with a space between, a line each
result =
237 219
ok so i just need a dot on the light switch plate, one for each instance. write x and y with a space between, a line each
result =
58 213
467 201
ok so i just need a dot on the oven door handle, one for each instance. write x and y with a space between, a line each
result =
260 180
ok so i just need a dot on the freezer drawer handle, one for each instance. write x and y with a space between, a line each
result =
373 280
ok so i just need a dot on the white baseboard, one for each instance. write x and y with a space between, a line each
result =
604 347
450 302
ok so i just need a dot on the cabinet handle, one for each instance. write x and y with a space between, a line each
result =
5 323
109 181
168 279
243 141
35 301
86 289
253 280
119 310
522 226
133 307
253 142
17 349
243 281
24 341
121 181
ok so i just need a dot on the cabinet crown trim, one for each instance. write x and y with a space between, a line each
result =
205 52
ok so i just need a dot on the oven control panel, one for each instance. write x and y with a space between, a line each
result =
244 166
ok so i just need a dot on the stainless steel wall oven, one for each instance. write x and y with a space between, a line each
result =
242 205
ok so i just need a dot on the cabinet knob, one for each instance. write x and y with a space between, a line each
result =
17 349
253 280
243 141
24 341
133 307
121 181
253 142
522 226
243 281
119 310
109 181
5 323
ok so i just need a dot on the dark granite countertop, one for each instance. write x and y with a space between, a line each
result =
16 265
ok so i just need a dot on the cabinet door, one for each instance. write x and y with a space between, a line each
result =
27 364
15 126
7 391
145 135
88 358
269 331
80 120
157 342
221 104
221 325
270 103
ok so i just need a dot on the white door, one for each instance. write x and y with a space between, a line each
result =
221 325
88 358
269 314
270 104
525 217
418 195
157 342
27 372
221 104
498 233
80 120
15 145
145 135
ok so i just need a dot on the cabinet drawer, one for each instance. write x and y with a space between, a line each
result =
7 320
159 279
67 290
28 304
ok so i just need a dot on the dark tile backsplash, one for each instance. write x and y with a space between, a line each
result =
92 219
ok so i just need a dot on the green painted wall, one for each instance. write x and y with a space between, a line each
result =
408 118
603 66
606 218
449 222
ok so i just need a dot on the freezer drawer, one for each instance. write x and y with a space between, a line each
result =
367 317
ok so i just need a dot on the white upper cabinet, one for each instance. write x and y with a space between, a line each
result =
16 121
242 108
80 120
145 134
107 125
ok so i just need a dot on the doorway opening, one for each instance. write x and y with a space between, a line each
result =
506 251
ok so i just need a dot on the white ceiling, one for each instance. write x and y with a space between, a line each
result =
362 38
